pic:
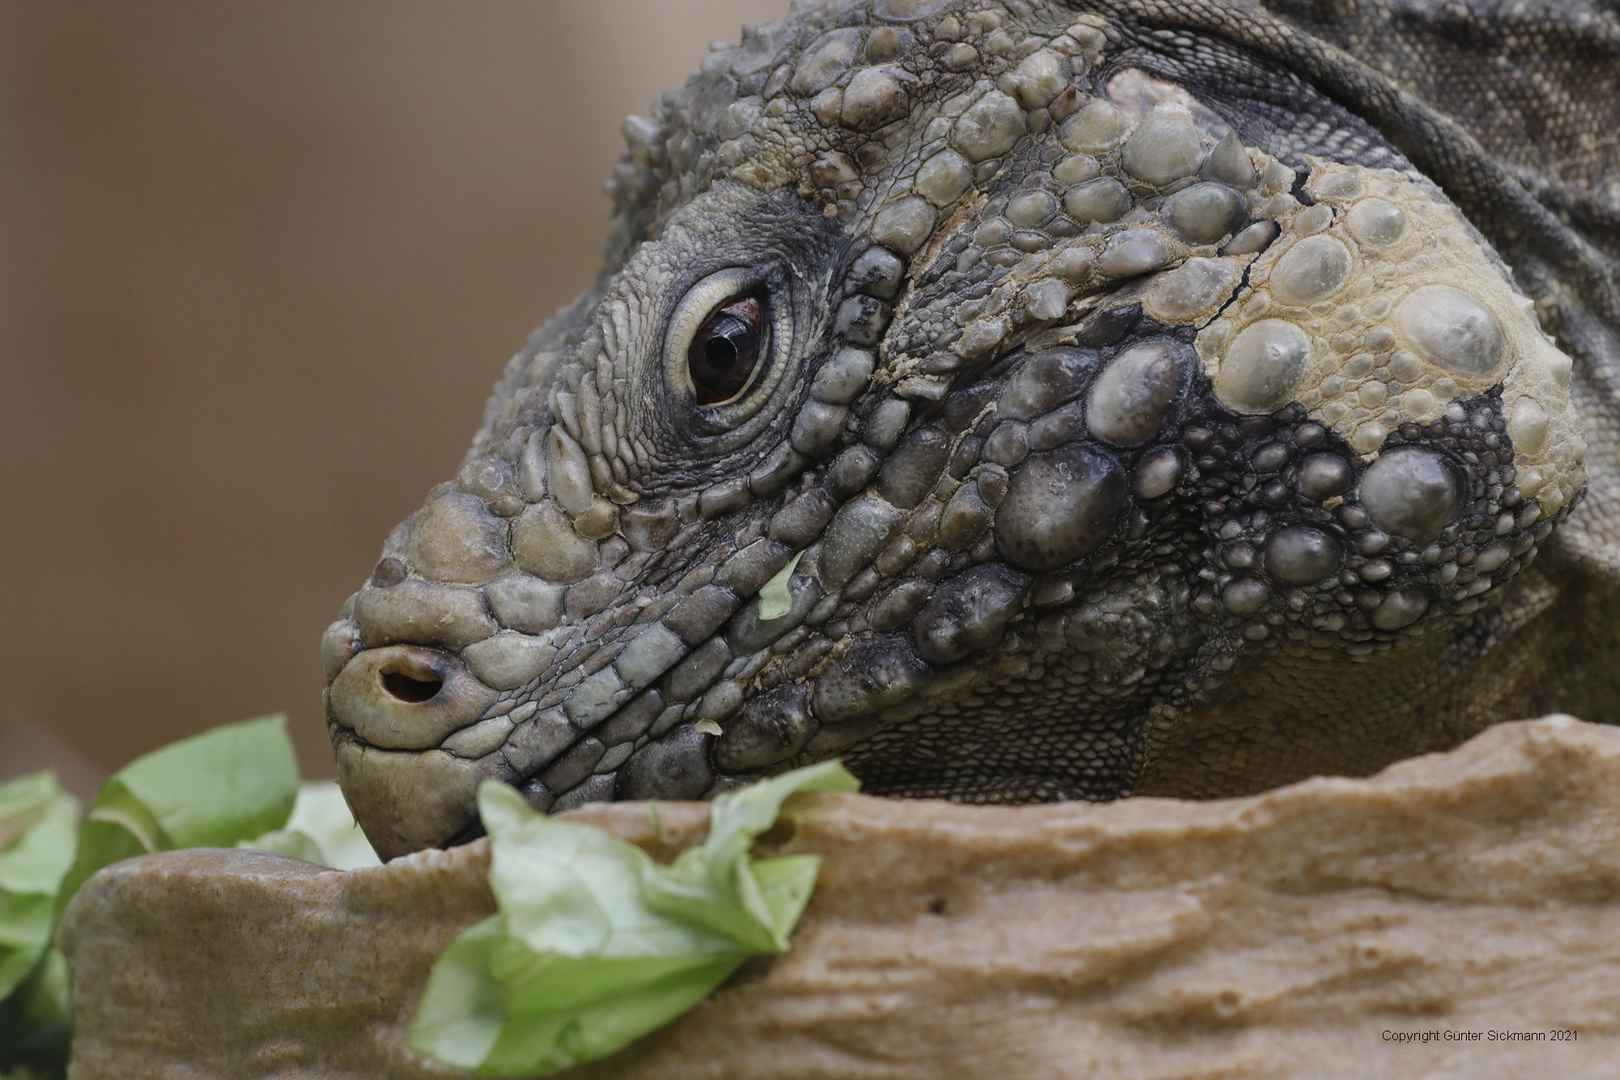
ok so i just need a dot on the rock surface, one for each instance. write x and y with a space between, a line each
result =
1286 934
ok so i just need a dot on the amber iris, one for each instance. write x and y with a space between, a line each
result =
726 350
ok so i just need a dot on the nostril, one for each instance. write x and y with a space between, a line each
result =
409 688
404 697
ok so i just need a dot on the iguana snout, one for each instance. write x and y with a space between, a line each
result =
1017 404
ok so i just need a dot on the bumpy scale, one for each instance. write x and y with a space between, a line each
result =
967 397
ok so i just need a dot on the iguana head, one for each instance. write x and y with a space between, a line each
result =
1015 402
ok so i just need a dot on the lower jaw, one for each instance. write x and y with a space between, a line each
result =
409 800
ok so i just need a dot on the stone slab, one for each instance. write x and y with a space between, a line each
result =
1279 935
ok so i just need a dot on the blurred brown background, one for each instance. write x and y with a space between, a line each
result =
259 264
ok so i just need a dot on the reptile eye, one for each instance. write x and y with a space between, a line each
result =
727 349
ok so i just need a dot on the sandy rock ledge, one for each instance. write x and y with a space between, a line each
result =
1275 936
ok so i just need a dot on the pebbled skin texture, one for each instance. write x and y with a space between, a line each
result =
1155 397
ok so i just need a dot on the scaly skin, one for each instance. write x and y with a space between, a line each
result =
1144 404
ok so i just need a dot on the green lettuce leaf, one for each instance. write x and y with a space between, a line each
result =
595 944
37 823
36 1021
321 830
774 599
211 790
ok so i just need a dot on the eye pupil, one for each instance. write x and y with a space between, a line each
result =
721 350
726 350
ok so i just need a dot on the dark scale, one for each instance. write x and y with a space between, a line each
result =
1371 550
1122 633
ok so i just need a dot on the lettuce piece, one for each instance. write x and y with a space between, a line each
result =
321 830
38 822
37 825
595 944
774 599
36 1021
210 790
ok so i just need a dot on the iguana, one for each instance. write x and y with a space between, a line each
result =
1029 401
